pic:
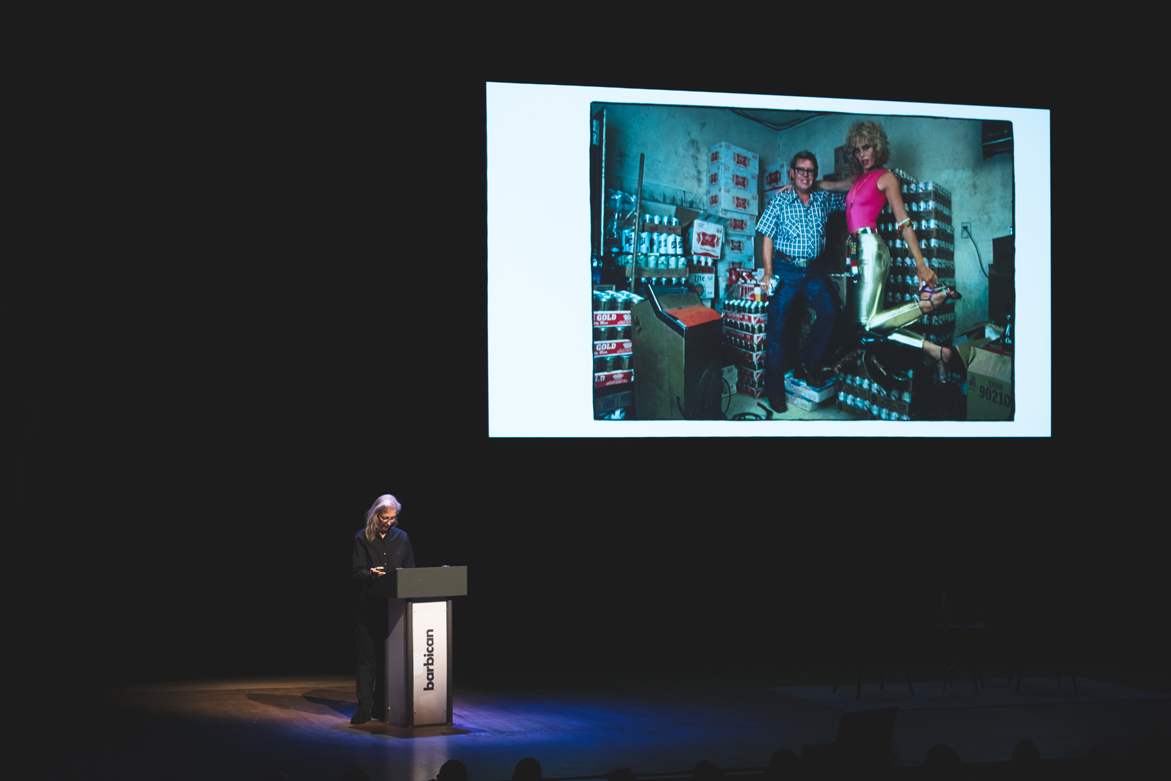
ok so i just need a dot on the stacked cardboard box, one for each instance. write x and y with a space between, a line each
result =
741 247
990 394
987 364
772 179
736 222
703 278
736 178
725 198
703 239
740 159
808 397
733 188
751 380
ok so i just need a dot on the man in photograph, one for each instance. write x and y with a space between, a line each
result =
793 228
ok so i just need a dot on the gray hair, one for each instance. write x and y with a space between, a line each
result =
384 501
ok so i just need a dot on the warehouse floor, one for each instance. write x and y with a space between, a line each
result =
741 403
934 403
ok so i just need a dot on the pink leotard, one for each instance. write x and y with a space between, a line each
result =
864 202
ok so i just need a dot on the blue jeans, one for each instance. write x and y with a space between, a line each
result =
815 286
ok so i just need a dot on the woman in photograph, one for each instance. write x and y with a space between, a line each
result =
869 189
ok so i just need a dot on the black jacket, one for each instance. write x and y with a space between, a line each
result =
392 551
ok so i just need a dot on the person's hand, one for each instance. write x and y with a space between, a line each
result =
377 572
927 277
785 188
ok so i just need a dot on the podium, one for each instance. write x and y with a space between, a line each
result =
418 650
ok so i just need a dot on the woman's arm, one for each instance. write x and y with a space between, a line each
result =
840 186
889 184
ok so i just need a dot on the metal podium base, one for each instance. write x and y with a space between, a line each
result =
418 663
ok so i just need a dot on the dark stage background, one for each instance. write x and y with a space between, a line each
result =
212 438
227 464
211 466
237 563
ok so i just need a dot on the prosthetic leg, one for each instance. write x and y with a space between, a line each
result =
874 262
864 326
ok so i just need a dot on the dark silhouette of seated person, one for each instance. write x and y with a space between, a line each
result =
707 771
783 764
1026 760
454 770
528 769
942 763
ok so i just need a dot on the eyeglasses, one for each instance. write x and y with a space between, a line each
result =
392 519
805 171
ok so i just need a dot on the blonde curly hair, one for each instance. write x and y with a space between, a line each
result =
870 132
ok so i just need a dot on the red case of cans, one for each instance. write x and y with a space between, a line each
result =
733 335
602 379
747 319
748 390
746 358
620 347
611 318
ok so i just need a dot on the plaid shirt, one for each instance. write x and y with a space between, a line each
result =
796 229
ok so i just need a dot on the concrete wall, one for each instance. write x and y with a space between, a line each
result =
675 140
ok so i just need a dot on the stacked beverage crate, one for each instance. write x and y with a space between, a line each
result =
703 279
803 393
928 205
732 192
772 179
612 346
867 392
732 179
660 243
744 322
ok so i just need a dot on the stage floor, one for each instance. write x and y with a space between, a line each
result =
575 726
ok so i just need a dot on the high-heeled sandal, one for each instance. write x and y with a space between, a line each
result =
951 295
943 378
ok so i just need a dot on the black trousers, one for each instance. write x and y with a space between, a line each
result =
370 655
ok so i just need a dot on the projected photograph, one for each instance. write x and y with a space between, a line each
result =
772 265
